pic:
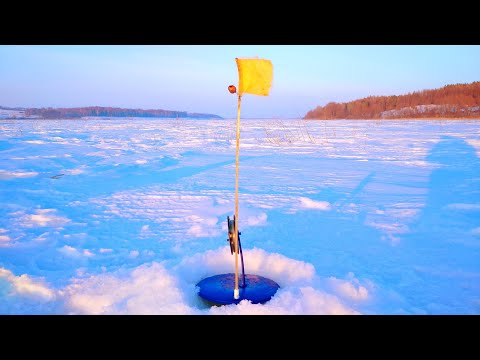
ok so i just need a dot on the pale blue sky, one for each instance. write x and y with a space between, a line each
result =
195 78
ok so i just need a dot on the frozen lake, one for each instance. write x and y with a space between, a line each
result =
349 217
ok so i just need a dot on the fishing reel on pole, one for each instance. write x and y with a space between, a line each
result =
231 231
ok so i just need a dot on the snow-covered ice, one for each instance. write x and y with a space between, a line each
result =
125 216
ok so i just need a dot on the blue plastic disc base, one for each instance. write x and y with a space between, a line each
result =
218 289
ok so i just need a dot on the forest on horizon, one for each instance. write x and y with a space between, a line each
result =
450 101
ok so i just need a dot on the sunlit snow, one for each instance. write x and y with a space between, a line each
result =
125 216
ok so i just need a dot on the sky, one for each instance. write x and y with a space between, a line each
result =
195 78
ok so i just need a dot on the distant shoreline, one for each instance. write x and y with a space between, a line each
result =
113 118
97 112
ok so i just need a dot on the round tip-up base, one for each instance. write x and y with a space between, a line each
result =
218 289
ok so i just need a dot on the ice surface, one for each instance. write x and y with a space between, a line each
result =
349 217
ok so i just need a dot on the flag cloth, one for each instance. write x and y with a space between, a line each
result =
254 76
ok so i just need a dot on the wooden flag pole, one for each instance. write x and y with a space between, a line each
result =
236 293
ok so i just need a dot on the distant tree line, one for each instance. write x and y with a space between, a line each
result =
71 113
451 101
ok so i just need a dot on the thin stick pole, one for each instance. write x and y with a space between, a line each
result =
236 293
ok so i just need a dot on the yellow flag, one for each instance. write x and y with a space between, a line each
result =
254 76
